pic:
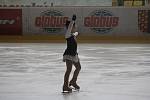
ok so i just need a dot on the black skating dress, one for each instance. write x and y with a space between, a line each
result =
71 50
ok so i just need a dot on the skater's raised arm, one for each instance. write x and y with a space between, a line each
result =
68 33
70 26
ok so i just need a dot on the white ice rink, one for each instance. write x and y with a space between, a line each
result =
109 72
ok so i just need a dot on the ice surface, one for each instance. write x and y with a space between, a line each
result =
109 72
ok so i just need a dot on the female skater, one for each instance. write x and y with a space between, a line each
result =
70 56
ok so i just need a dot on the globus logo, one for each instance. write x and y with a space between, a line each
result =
51 21
101 21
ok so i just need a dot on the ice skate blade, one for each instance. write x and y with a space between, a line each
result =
66 92
74 89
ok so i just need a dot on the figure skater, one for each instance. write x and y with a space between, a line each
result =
70 56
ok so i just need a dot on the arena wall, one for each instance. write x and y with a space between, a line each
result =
95 24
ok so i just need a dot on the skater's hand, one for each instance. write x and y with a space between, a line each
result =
75 34
74 17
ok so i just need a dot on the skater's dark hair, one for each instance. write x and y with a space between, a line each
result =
67 23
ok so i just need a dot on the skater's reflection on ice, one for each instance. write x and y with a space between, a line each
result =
70 96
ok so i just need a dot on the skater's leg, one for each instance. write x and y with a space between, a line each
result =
67 74
75 75
76 72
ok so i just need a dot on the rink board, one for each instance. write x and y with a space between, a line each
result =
80 39
108 21
93 23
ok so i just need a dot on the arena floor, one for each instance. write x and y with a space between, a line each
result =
34 71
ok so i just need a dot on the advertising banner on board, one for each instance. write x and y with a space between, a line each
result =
90 20
10 21
144 21
46 20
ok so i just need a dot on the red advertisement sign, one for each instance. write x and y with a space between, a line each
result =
10 21
144 21
51 21
101 21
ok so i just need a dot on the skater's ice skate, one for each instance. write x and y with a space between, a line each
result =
66 89
74 85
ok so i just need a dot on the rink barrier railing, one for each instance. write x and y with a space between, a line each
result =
80 39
